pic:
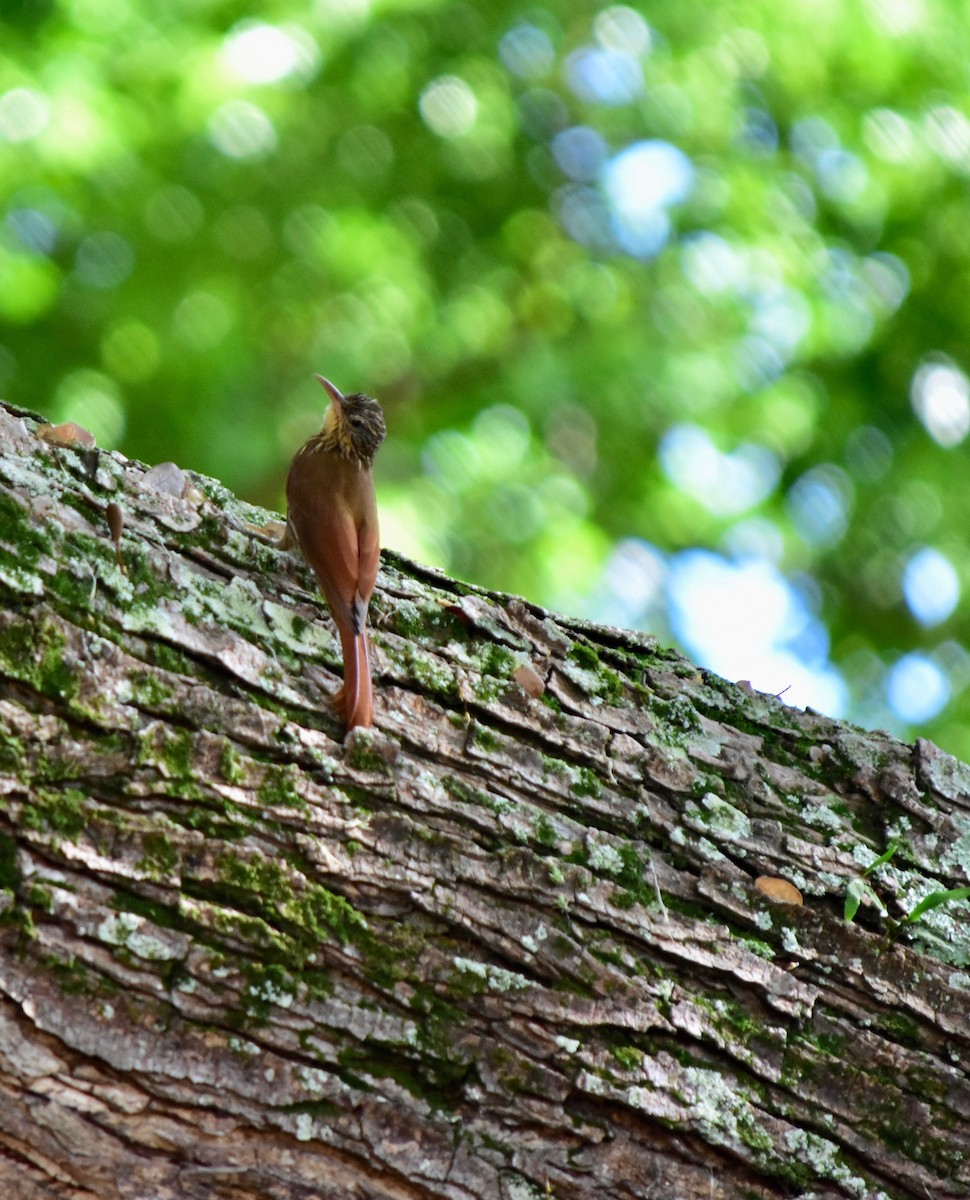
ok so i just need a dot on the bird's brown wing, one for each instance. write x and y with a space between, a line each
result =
333 516
368 546
322 515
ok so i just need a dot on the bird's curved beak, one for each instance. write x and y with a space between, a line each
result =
335 395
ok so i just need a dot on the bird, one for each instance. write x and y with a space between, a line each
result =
332 518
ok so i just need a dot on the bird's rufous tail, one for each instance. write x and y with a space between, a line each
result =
354 701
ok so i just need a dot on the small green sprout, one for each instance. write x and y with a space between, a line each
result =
859 889
933 900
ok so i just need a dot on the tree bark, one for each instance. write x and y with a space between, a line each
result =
503 945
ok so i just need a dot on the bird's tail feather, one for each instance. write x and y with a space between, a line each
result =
354 701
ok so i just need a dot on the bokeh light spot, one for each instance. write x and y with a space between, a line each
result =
580 152
948 133
504 436
889 135
526 51
104 260
623 31
584 215
813 136
130 351
240 129
542 113
941 399
887 278
34 230
201 321
243 232
571 437
726 484
712 265
931 586
745 621
24 113
842 176
641 183
451 459
261 53
365 152
868 453
514 511
916 688
897 17
820 503
448 106
603 76
634 576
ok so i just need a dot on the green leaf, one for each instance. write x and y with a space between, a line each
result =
881 860
934 900
853 896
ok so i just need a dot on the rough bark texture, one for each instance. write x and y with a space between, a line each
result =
500 946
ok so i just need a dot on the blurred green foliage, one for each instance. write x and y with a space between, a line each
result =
627 281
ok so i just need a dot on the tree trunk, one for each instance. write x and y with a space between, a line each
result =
504 945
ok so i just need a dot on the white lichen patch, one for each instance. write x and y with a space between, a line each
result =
709 851
589 682
814 811
943 928
19 580
212 637
957 854
723 1114
724 819
153 948
515 821
902 827
532 941
312 636
606 858
521 1189
827 882
864 855
641 1097
823 1158
238 603
944 773
268 992
126 929
593 1084
498 979
313 1079
116 929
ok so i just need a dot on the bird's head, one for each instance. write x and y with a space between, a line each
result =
356 422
